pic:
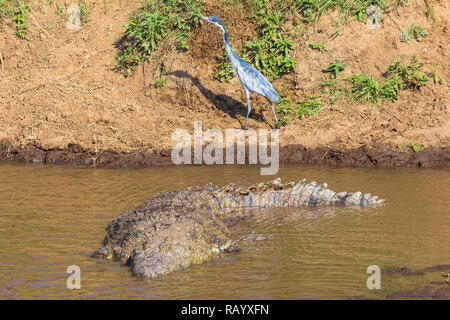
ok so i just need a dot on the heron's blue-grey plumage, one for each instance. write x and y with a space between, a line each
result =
251 79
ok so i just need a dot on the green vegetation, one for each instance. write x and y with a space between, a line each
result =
8 8
391 88
18 12
270 53
398 76
318 46
153 22
430 14
85 10
334 88
286 110
159 82
308 107
226 71
365 88
416 146
59 10
334 68
413 32
411 74
312 10
20 20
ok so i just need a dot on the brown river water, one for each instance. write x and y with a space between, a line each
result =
52 217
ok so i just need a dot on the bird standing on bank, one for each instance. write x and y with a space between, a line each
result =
251 79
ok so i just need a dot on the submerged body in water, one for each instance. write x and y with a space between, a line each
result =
172 230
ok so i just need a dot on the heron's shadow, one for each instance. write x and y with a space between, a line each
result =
222 102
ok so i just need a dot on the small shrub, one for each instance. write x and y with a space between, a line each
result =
160 82
411 74
20 20
413 32
416 146
365 88
391 88
334 68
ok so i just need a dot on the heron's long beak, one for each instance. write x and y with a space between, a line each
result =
204 18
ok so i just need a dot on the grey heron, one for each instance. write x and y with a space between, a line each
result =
251 79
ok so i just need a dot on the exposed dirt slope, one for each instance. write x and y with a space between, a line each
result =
62 101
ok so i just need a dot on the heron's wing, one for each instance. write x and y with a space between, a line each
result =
255 81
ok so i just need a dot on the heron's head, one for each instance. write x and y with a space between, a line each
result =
213 19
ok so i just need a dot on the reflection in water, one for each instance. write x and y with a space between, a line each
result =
53 217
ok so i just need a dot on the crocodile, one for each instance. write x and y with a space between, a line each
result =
173 230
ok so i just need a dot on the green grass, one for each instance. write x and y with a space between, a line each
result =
317 46
154 21
366 89
416 146
286 110
18 12
308 107
413 32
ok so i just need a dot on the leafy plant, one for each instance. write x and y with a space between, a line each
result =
413 32
317 46
391 88
271 52
411 74
159 82
365 88
59 10
334 68
416 146
20 19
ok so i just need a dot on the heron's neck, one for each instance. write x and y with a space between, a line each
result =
231 55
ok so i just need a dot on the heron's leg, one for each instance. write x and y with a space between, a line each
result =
249 107
273 110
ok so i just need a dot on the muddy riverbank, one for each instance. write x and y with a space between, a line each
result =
63 101
378 155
